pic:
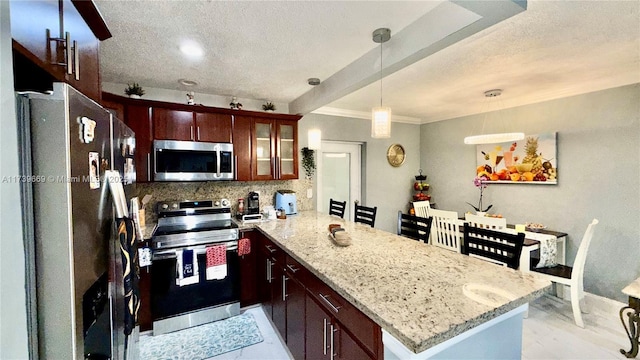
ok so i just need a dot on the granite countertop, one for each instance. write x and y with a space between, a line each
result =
633 289
412 290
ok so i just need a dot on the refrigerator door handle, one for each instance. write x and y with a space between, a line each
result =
117 192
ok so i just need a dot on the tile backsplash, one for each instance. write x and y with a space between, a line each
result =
215 190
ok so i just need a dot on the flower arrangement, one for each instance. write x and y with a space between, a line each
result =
480 182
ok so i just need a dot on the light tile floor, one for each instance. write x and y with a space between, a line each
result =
549 333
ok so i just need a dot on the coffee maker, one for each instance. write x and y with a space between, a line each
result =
253 203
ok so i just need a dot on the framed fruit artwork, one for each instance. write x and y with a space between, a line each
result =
532 160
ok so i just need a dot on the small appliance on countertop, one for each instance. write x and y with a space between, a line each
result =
253 203
286 200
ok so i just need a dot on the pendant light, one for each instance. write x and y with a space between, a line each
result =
380 115
492 138
314 139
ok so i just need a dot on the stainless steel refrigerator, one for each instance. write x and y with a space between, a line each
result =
69 142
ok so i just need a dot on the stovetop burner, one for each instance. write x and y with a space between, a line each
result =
189 223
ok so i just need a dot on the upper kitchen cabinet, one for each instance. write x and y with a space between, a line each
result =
266 148
62 37
171 124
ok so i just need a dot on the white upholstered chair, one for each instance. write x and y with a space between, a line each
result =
445 231
422 208
572 276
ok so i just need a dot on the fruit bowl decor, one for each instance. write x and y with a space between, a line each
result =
421 186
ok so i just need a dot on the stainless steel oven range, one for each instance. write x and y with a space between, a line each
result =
192 225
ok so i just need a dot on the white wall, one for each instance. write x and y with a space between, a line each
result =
180 97
598 148
13 318
387 187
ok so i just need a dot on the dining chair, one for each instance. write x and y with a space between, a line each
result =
365 215
497 224
572 276
445 231
495 246
337 207
414 227
422 208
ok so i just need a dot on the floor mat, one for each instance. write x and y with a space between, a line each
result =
202 341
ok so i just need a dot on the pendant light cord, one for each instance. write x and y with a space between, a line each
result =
381 74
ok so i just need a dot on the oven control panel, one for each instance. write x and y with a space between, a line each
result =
169 206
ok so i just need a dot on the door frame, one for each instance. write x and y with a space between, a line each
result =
355 167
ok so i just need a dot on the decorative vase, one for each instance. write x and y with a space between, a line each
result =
134 96
481 213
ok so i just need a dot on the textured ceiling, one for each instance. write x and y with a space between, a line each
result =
267 50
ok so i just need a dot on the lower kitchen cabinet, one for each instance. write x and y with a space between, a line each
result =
295 309
313 320
248 268
279 300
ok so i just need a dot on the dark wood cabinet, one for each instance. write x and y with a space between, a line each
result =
318 322
278 299
169 124
266 148
248 274
242 147
295 309
85 72
312 318
62 37
31 22
138 118
211 127
144 314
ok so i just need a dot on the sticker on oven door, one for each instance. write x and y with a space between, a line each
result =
87 129
94 170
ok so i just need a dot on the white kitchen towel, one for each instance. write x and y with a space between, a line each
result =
216 262
181 280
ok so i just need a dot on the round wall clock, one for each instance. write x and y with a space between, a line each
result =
395 155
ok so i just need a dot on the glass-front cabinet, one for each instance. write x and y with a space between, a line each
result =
264 158
275 146
287 157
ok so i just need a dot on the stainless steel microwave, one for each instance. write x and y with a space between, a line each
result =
192 161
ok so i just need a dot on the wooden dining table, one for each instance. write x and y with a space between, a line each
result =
532 244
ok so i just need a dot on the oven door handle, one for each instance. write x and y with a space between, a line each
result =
197 250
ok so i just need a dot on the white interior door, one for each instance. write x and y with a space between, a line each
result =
339 176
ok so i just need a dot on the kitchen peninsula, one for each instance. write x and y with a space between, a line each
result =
429 302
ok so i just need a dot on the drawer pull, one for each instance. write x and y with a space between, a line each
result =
293 268
270 248
333 307
324 338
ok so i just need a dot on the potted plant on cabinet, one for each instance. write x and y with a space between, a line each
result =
134 91
268 106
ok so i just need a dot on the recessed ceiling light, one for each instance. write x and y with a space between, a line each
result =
313 81
191 49
186 82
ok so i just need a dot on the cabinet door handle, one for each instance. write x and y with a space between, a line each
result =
235 167
268 271
149 167
76 60
270 248
284 288
333 307
293 268
324 338
333 330
198 133
67 50
191 132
